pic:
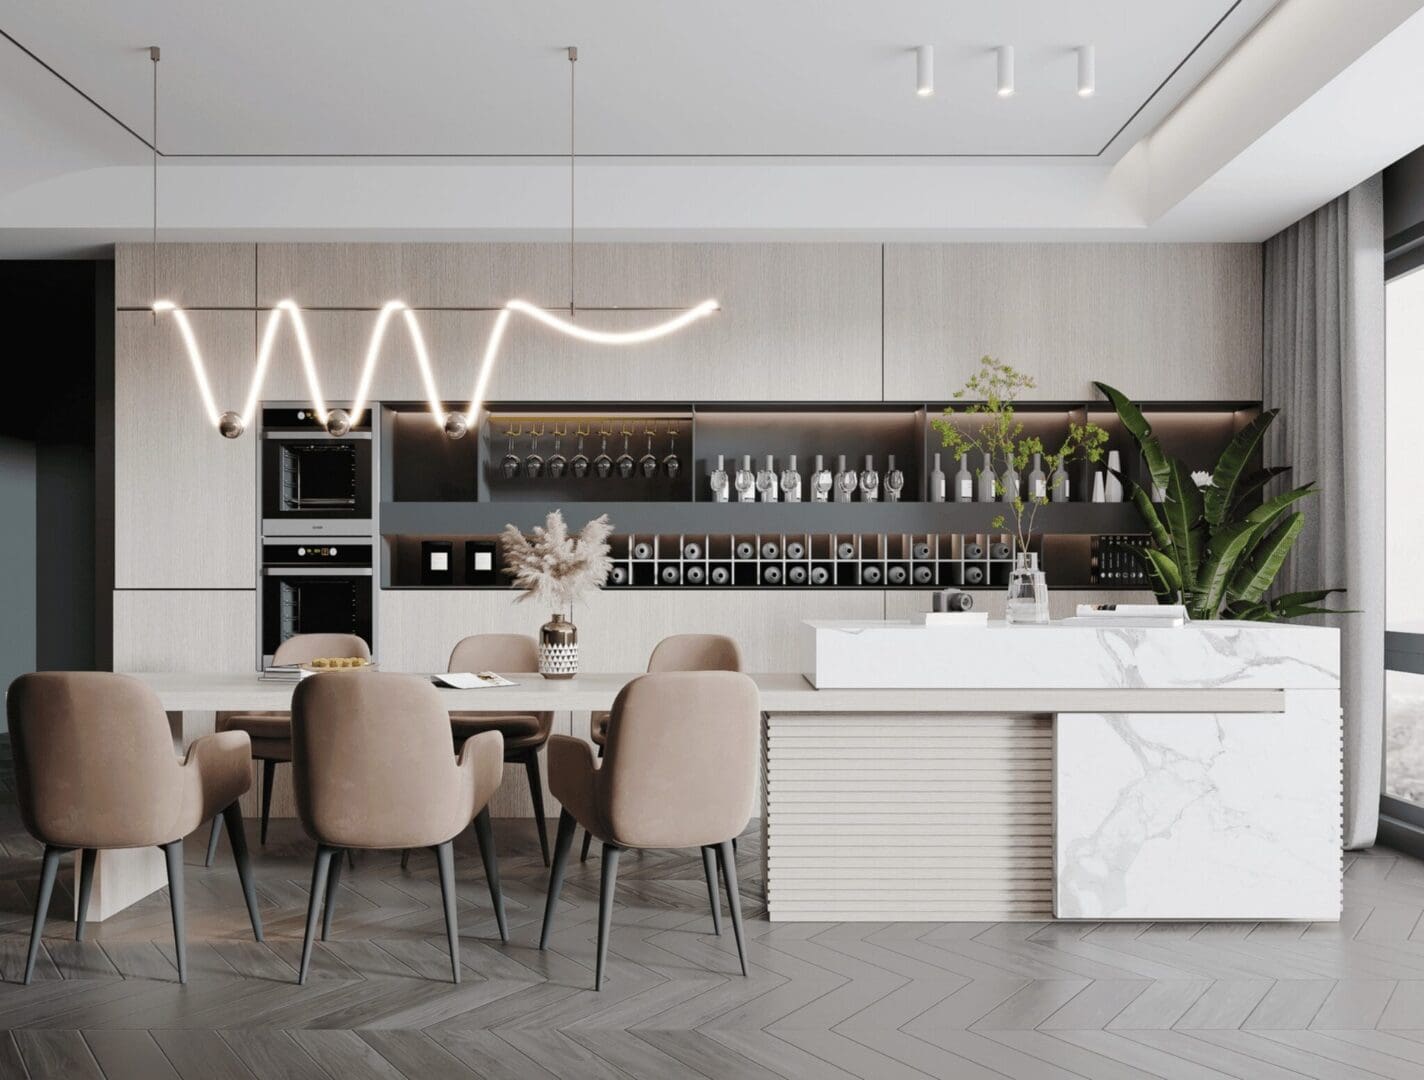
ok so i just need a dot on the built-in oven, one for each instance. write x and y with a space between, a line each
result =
315 587
313 483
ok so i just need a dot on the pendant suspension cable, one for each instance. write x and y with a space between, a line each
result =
153 55
573 61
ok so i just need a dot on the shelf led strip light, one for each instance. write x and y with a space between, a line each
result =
338 421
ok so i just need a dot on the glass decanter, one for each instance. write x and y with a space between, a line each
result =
745 481
1027 598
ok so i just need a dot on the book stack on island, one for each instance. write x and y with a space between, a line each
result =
1124 616
285 673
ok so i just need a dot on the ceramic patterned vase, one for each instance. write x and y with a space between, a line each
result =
558 649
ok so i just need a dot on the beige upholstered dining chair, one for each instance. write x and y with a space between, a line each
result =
373 768
680 652
271 732
524 733
680 772
95 770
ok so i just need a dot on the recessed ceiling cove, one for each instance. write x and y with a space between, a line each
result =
736 79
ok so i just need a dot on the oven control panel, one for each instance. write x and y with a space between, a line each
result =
354 552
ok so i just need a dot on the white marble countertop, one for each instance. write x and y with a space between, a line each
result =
780 692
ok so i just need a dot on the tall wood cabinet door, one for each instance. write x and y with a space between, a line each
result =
1159 321
191 275
198 630
185 498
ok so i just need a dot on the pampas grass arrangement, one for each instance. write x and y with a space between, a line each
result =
553 567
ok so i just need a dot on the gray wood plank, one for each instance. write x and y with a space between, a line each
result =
272 1053
345 1054
201 1055
129 1055
1225 1004
55 1053
415 1054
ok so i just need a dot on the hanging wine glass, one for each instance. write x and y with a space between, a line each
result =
579 465
648 463
511 464
672 464
557 462
534 463
626 464
603 464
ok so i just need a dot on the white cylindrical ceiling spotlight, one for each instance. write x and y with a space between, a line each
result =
1006 71
1087 71
924 71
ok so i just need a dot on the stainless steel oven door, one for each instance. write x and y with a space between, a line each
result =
324 590
316 484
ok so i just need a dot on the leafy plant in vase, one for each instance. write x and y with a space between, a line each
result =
1217 546
990 426
556 569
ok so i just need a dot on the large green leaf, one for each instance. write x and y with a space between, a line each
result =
1183 514
1270 511
1239 609
1260 568
1158 465
1227 545
1165 577
1226 479
1254 483
1299 604
1139 498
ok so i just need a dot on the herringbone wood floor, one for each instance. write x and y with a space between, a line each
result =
1102 1001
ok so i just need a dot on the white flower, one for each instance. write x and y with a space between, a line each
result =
1202 479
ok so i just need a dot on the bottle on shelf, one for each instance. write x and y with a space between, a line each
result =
820 575
771 575
921 549
869 481
766 480
1060 484
845 550
770 549
694 575
671 575
896 575
745 550
963 481
721 575
924 575
795 549
1001 551
642 550
745 481
791 481
1009 482
1099 487
618 575
894 481
846 481
1037 481
973 575
821 482
973 550
870 574
796 575
987 482
936 482
692 551
719 481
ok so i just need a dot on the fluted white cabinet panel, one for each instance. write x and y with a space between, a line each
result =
874 817
1159 321
185 499
190 630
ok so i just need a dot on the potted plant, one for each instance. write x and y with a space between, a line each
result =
990 426
556 569
1217 545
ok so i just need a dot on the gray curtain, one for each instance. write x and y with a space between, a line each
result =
1324 368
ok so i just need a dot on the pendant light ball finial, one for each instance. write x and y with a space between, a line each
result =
338 422
230 425
456 426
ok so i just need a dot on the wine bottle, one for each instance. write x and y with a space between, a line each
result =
1037 481
746 550
766 481
921 550
845 550
896 575
694 575
721 575
964 481
1001 551
1009 482
987 484
820 575
791 481
746 481
796 575
642 550
924 575
718 481
846 481
869 481
936 482
618 575
795 549
771 575
821 482
770 549
870 575
1060 484
973 575
671 575
973 551
894 481
692 551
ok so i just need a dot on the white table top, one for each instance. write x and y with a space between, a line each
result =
780 693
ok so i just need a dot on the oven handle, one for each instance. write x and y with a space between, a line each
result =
315 436
316 571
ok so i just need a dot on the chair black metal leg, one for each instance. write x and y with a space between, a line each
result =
728 856
48 870
445 858
213 834
333 879
86 887
709 867
605 909
405 858
734 845
485 835
237 840
173 855
587 842
320 869
536 793
562 842
269 773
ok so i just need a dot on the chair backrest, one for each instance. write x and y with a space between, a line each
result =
681 761
696 652
495 652
304 648
94 760
372 762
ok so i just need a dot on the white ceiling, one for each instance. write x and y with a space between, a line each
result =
737 77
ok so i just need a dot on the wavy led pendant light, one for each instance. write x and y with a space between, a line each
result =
338 422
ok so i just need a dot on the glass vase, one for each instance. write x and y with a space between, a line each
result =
558 649
1027 599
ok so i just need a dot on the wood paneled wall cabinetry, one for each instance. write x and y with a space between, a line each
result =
185 629
1163 322
193 275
